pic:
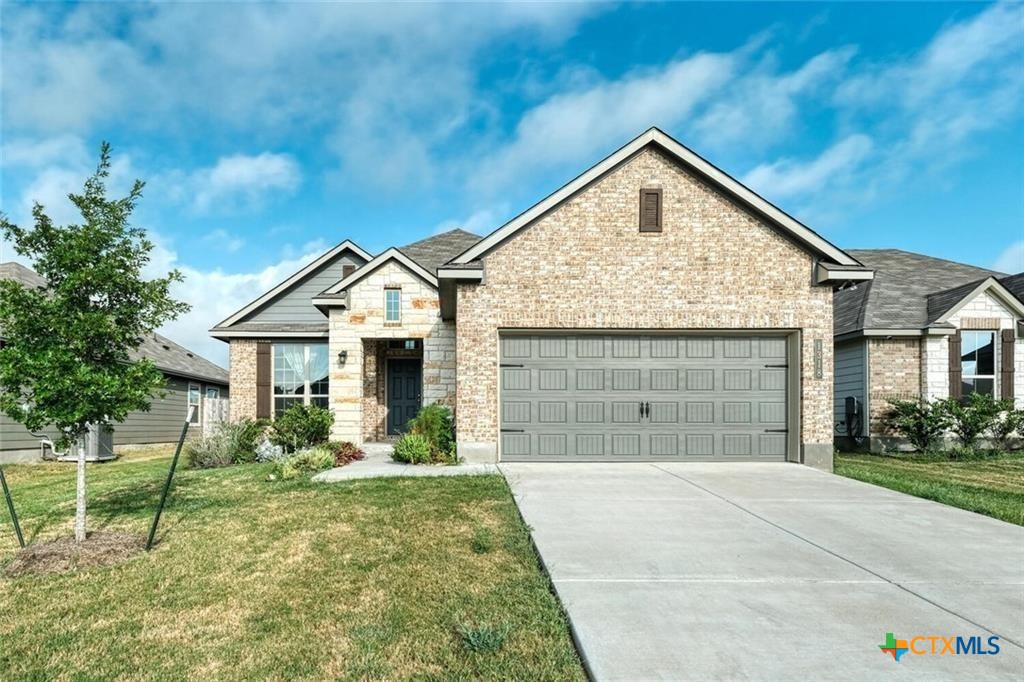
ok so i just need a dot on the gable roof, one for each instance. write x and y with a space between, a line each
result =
789 225
168 356
294 279
1014 284
433 252
422 258
910 292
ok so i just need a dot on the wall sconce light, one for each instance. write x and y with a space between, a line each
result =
342 357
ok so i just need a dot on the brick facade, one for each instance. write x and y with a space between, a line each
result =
894 372
356 395
585 265
242 371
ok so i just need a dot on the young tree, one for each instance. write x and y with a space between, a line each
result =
66 359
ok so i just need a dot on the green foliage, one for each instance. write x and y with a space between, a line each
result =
243 437
229 444
345 452
483 639
308 461
66 361
301 426
412 449
1006 424
435 423
483 541
971 417
210 452
920 422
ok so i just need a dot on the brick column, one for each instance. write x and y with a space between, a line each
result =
242 375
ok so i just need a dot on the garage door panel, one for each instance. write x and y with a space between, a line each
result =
659 397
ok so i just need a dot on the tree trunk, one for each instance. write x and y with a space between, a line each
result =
80 494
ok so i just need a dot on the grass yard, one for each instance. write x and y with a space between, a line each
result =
994 487
432 578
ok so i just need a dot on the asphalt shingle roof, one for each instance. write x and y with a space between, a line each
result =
433 252
167 355
909 290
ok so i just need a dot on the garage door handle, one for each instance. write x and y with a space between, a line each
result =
513 430
776 430
778 366
505 364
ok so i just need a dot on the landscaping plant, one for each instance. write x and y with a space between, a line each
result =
412 449
969 418
1007 424
434 422
67 359
301 426
210 452
345 452
308 461
922 423
243 437
268 452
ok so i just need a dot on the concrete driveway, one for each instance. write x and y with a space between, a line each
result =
769 571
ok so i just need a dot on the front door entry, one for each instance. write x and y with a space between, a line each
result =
405 386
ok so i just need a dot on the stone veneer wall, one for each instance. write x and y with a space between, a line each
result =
364 319
894 372
585 265
242 375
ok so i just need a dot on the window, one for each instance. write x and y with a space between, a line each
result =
212 392
392 305
978 362
193 402
300 373
405 344
650 210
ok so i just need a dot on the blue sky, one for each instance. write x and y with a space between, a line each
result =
267 133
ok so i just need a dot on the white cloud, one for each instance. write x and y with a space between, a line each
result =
1011 260
481 222
575 125
243 180
233 290
223 239
789 177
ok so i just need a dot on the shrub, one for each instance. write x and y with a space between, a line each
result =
434 422
208 453
483 638
920 422
268 452
242 438
345 452
301 426
412 449
971 417
308 461
1009 422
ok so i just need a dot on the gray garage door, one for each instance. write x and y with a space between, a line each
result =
587 397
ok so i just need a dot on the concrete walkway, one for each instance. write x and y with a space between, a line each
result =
378 464
769 572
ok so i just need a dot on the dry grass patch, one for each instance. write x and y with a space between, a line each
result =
64 554
258 580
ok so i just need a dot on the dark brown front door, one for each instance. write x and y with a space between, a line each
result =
405 387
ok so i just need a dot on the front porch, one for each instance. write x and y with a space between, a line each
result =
392 387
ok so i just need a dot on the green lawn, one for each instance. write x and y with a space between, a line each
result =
993 486
382 579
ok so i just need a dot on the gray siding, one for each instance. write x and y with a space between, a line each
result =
850 380
162 424
294 304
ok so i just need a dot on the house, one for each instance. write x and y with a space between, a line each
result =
191 380
923 328
653 308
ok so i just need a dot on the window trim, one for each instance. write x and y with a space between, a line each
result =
307 394
398 319
995 361
661 209
197 417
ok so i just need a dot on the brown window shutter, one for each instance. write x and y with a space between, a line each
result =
1006 365
347 270
650 210
263 397
956 386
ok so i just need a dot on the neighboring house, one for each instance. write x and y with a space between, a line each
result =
924 328
191 380
652 309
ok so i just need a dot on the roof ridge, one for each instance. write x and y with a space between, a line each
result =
932 258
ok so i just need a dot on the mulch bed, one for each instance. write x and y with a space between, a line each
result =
64 555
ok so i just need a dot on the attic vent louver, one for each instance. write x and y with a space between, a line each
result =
166 347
